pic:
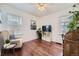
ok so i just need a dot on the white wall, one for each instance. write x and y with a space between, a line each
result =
28 34
53 20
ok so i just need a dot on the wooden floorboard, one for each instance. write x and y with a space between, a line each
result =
40 48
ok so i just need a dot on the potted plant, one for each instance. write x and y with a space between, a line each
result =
74 24
39 33
7 42
71 25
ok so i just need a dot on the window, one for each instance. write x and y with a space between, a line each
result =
64 22
14 20
10 19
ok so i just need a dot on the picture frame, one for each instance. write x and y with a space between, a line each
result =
33 25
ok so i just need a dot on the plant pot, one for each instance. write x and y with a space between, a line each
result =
8 44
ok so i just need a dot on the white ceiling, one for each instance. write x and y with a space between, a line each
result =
31 8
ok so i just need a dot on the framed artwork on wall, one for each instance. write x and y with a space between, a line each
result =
33 25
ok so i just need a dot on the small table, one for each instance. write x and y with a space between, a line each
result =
8 50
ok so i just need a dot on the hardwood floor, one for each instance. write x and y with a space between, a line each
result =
40 48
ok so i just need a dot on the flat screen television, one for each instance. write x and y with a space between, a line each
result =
47 28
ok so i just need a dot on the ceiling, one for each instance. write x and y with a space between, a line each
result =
31 8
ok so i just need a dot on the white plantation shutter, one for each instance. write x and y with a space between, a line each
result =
64 21
13 20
